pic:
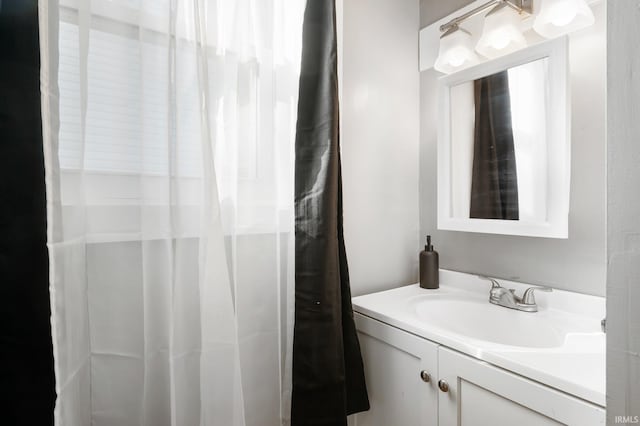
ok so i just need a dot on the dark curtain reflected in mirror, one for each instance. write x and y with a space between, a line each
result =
494 184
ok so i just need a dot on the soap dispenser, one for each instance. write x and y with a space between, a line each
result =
429 267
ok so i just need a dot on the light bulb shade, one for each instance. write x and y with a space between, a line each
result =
501 33
456 52
558 17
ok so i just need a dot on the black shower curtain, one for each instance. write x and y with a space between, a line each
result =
328 375
494 184
27 382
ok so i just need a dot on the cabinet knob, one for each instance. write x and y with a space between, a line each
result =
444 386
426 377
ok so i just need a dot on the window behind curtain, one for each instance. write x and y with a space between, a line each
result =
127 123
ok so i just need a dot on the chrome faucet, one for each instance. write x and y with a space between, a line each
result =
506 297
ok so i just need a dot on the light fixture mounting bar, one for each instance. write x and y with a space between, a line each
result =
519 5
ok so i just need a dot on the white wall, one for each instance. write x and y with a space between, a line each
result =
577 263
623 213
434 10
379 136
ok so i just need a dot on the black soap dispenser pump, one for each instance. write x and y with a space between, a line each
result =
429 267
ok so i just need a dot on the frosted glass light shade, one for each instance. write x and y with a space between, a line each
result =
501 33
558 17
456 52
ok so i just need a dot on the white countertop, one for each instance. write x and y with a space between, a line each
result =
577 367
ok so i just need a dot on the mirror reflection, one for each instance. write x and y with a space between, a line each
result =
499 145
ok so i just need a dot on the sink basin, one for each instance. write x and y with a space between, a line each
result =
480 320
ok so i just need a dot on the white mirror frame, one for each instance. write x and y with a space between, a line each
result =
558 145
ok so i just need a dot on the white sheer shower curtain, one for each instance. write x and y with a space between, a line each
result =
168 131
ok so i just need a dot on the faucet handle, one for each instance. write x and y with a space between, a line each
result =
528 298
494 283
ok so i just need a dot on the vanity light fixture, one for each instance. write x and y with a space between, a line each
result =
456 51
558 17
501 35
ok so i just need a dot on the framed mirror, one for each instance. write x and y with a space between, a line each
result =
504 145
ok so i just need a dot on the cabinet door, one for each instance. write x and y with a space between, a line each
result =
393 362
480 394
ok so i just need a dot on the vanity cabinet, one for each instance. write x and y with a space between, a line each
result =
459 390
481 394
401 372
